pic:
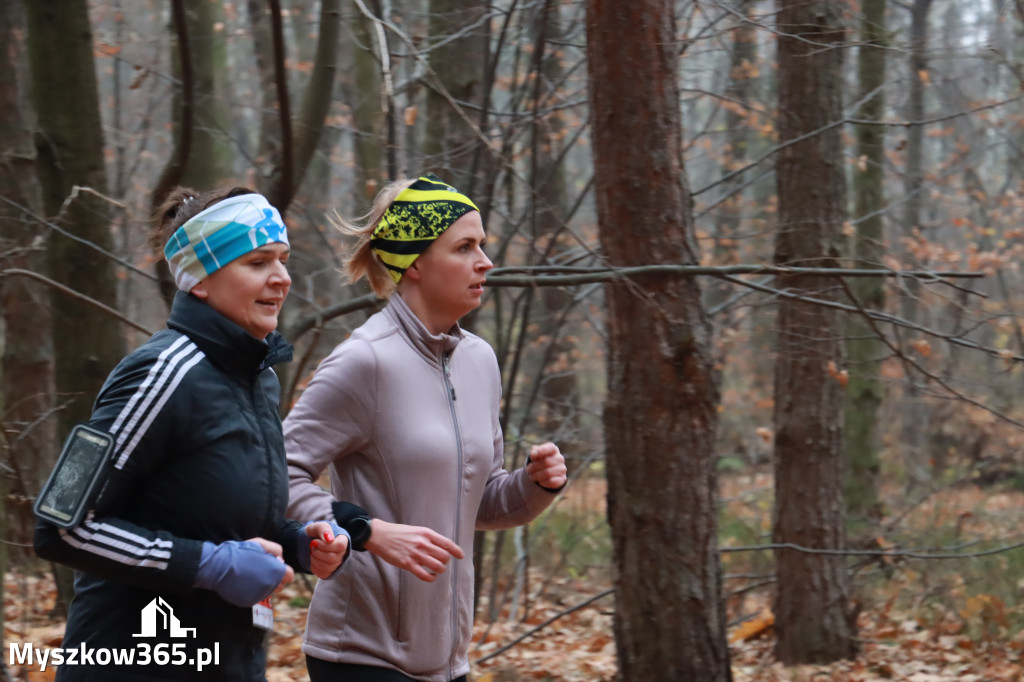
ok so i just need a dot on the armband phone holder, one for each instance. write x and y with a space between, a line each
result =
80 471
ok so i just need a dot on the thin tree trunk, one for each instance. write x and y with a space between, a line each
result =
913 411
742 64
299 143
364 97
660 415
558 393
449 145
864 351
209 168
813 618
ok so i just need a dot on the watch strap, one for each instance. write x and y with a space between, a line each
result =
355 520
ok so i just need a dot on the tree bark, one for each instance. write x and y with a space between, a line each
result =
914 412
813 619
743 59
660 415
864 392
363 94
449 145
213 165
26 401
285 178
558 393
87 343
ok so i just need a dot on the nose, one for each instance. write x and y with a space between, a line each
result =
485 263
280 276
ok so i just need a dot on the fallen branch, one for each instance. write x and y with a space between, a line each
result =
532 631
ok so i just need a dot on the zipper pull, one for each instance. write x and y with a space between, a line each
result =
448 376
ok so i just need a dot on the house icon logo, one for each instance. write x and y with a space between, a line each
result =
158 616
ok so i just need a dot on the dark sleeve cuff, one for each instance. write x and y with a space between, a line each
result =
356 522
288 538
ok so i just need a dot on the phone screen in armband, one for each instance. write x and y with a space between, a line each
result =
80 470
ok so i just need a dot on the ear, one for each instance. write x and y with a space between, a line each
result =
200 291
413 271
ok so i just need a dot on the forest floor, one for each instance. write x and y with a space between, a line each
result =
919 621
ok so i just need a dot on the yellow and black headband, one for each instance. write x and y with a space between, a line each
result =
414 220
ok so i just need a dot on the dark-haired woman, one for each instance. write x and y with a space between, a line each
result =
187 539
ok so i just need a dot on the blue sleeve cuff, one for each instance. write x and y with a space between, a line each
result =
303 546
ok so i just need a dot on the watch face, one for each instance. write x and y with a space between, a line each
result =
360 529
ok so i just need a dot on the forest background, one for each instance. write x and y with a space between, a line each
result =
758 275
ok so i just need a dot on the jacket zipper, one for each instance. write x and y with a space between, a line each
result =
255 394
458 509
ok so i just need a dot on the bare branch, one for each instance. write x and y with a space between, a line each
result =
874 553
532 631
557 275
881 317
856 121
57 228
18 272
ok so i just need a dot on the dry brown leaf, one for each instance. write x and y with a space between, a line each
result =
762 624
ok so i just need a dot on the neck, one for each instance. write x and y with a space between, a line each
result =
434 322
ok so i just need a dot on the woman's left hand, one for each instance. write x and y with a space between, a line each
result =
546 467
326 550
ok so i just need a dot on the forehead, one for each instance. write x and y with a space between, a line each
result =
468 226
271 249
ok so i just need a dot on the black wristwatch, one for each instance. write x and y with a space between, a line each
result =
356 521
359 529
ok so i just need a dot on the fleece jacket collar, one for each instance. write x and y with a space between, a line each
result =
433 347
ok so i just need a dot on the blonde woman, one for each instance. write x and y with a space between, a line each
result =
404 416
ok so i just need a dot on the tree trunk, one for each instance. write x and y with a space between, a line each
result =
558 393
449 145
87 343
268 138
864 351
914 411
363 93
26 374
812 611
742 67
660 415
212 165
285 177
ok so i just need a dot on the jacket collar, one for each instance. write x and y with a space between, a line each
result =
433 347
227 344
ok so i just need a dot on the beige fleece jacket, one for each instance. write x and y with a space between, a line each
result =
410 443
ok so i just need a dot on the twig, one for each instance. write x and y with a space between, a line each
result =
18 272
532 631
562 275
873 553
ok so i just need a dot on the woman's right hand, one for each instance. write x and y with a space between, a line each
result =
271 547
243 573
421 551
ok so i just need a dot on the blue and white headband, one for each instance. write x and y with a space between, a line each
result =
219 235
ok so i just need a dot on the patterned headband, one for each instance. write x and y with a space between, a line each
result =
219 235
414 220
